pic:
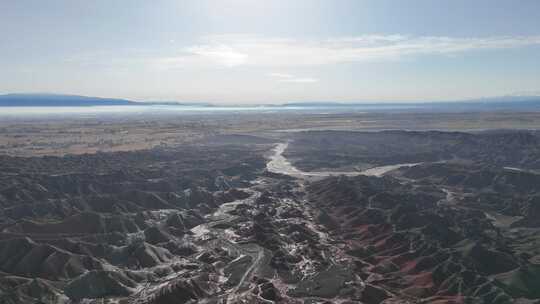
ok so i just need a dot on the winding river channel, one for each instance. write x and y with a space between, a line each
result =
254 259
279 164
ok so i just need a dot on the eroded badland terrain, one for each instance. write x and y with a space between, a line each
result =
272 209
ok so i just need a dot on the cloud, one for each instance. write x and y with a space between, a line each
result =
292 78
244 50
526 93
222 54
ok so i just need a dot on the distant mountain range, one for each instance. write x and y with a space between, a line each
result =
514 103
515 100
56 100
59 100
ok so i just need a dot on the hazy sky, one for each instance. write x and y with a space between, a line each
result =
242 51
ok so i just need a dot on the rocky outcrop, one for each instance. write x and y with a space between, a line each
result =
100 284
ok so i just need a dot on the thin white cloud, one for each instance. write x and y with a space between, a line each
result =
226 55
301 80
281 77
241 50
526 93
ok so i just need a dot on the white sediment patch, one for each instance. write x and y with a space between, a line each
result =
279 164
200 230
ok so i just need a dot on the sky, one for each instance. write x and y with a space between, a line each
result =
271 51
